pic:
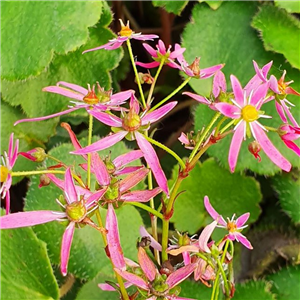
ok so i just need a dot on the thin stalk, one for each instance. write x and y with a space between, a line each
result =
38 172
136 73
171 95
55 159
154 81
89 154
204 134
158 144
227 126
147 208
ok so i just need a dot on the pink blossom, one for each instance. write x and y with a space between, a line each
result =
246 110
85 98
76 212
8 161
125 34
233 226
131 125
161 53
288 134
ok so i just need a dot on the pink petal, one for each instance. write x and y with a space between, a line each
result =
158 113
7 201
121 97
47 117
94 198
144 37
288 112
109 288
177 53
242 220
106 118
196 97
29 218
182 249
180 275
186 258
152 159
146 264
113 239
127 170
104 143
184 139
213 213
237 90
229 110
208 72
274 84
269 148
292 146
126 158
161 47
235 145
134 279
243 240
69 188
64 92
206 233
132 179
266 68
114 44
66 248
154 244
151 65
75 87
219 83
150 50
259 95
281 113
100 170
14 156
11 146
253 84
140 196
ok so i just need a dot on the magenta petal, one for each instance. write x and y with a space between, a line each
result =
66 248
11 145
106 118
14 156
121 97
205 235
270 150
152 159
154 244
140 196
259 95
104 143
274 84
162 47
64 92
288 113
75 87
180 275
281 113
177 53
113 239
158 113
198 98
95 197
69 188
237 90
242 220
292 146
7 202
134 279
151 65
208 72
150 50
219 83
127 170
213 213
229 110
100 170
235 145
109 288
126 158
29 218
243 240
146 264
144 37
132 179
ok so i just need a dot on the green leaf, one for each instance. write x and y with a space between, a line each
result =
258 290
213 4
289 6
87 253
175 7
285 283
280 32
228 194
26 271
74 67
287 187
39 29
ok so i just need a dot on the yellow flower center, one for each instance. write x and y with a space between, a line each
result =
76 211
91 98
132 121
282 87
249 113
125 31
231 227
4 173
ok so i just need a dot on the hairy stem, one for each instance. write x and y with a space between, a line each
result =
89 154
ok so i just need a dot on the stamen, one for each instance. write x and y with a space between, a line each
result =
235 103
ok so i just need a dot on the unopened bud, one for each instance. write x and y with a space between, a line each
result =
254 148
37 154
145 78
44 180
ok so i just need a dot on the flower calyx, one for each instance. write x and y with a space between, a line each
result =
195 67
131 121
91 97
125 29
103 96
112 193
76 211
145 78
254 148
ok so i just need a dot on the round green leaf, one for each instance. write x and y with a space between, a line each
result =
33 30
280 32
228 194
26 271
258 290
175 7
289 6
287 187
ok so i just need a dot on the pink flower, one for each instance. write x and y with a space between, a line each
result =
288 134
131 125
8 162
76 212
162 53
125 34
85 98
233 226
246 110
156 285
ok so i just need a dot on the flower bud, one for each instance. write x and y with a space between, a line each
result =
254 147
145 78
37 154
44 180
103 96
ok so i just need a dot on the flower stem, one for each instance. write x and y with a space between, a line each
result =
204 134
89 154
154 81
171 95
55 159
136 73
158 144
38 172
227 126
147 208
